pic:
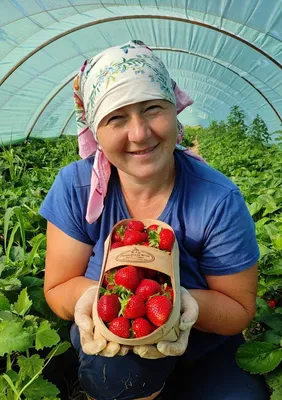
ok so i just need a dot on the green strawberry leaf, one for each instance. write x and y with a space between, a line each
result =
58 350
4 302
13 337
258 357
39 386
46 336
23 303
29 367
274 379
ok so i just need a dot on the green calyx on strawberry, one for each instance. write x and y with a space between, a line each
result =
109 277
161 238
158 309
132 306
167 289
118 234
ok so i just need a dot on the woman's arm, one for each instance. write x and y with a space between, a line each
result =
66 262
230 304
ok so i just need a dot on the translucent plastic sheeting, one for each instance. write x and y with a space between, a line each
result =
223 53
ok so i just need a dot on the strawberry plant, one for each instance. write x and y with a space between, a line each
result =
254 164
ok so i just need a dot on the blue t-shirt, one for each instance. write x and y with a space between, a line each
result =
213 227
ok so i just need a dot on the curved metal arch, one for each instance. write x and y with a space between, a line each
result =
66 122
127 17
158 49
229 69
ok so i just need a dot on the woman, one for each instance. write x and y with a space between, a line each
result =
127 106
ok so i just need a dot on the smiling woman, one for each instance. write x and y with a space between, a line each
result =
126 111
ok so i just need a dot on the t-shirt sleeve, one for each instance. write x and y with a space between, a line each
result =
230 242
63 206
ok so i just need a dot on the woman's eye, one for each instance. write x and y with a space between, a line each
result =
114 118
154 107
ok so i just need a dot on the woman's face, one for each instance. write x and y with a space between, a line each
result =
139 139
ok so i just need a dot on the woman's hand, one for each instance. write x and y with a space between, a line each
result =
189 315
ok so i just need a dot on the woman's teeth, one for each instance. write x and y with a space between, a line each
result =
144 151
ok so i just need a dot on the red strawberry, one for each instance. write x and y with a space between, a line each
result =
168 289
145 237
166 239
120 326
115 245
158 309
133 307
132 237
118 234
141 273
147 288
272 303
136 225
150 273
152 227
145 244
141 327
109 277
108 307
127 277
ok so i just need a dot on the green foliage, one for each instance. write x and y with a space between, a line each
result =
27 325
244 154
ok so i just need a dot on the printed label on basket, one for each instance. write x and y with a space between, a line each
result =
135 255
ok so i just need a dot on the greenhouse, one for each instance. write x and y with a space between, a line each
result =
227 57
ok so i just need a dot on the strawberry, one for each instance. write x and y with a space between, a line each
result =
118 234
145 236
141 327
147 288
132 237
158 309
116 245
109 277
166 239
150 273
141 273
108 307
133 306
127 277
272 303
136 225
152 227
145 244
120 326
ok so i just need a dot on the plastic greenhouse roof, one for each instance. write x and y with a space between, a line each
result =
223 53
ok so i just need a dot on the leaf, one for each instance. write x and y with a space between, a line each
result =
263 250
39 239
46 336
4 302
272 230
39 388
273 321
276 268
29 367
23 303
261 222
274 378
60 349
13 337
277 244
31 281
270 336
8 214
258 357
10 283
276 395
16 253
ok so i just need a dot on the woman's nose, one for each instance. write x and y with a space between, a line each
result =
139 130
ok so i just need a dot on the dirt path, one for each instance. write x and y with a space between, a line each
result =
195 147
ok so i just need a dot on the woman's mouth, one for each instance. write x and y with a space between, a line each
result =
145 151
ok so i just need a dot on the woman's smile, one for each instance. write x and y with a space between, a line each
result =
143 152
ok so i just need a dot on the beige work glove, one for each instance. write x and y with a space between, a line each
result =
84 321
189 312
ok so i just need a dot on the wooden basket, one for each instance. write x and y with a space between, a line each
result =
145 257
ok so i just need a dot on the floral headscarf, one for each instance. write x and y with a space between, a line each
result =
114 78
